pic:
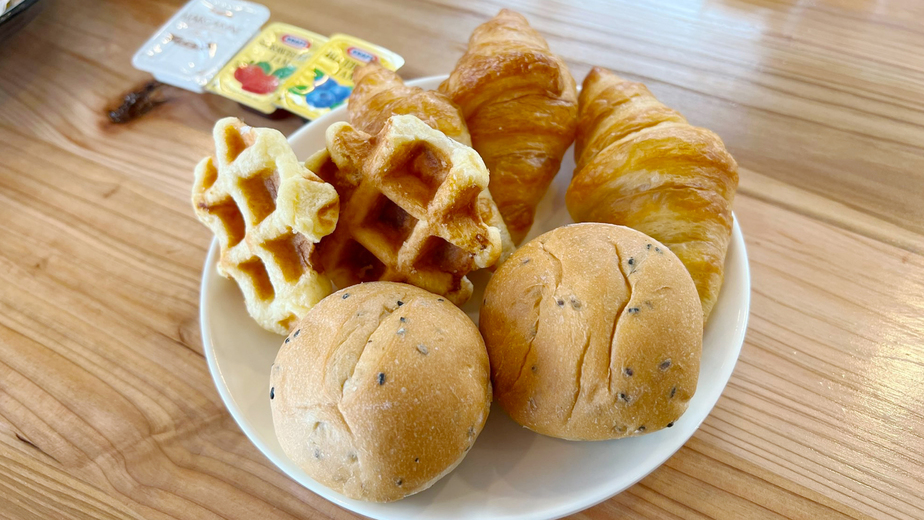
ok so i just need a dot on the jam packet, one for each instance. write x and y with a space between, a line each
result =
198 40
253 77
327 80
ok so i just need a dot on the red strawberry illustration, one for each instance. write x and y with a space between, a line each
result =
254 78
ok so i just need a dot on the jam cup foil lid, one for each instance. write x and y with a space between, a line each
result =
198 40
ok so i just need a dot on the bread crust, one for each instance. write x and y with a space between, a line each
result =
594 332
380 390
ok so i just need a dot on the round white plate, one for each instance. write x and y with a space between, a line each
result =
511 472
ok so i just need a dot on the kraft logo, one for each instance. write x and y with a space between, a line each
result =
360 55
295 41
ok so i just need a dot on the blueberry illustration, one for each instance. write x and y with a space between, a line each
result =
327 95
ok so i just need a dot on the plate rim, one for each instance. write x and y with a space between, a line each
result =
14 12
351 505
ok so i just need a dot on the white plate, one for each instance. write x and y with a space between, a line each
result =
510 473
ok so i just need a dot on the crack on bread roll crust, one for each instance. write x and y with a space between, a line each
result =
534 330
362 410
537 307
578 379
384 313
563 370
618 316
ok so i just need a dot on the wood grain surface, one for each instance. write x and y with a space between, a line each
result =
107 409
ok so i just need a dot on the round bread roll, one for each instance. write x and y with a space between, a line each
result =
594 332
380 390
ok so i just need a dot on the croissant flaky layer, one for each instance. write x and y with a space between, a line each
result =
380 93
520 103
641 164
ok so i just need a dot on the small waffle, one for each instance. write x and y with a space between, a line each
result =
268 212
413 208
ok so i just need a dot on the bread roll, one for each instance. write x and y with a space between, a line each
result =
594 331
380 390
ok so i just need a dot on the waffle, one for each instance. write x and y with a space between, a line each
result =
413 208
268 212
487 208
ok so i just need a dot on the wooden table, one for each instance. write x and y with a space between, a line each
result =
107 409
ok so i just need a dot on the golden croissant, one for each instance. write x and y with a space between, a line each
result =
642 165
379 94
520 103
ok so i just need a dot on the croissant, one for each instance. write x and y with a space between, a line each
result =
520 103
642 165
380 93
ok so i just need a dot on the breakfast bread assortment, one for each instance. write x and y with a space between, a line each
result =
411 208
380 390
380 93
520 103
268 212
591 331
640 164
593 350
